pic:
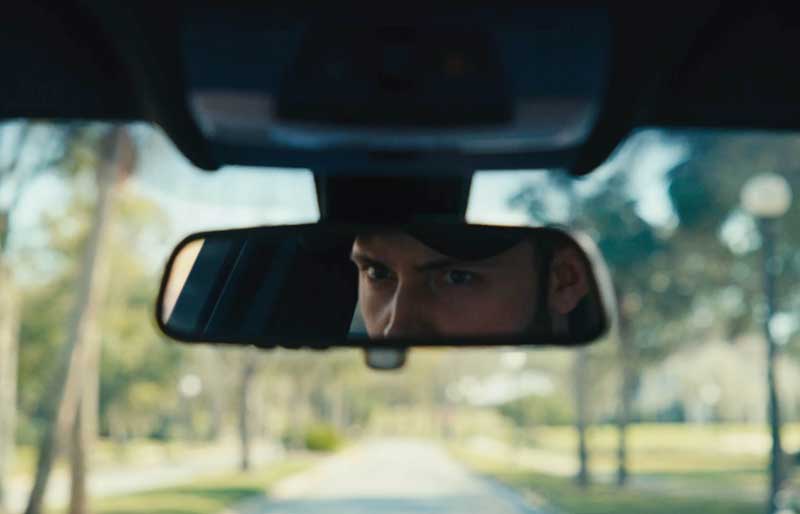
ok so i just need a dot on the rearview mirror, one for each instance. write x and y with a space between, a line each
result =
354 285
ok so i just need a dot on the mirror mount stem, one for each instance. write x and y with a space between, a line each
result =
392 200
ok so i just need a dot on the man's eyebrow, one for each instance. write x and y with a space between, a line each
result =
363 257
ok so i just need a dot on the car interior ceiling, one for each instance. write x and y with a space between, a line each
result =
691 66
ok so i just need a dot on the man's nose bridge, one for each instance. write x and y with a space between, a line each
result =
405 310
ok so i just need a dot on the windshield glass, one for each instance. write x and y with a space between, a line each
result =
670 413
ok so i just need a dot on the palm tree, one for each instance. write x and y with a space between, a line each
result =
18 170
64 398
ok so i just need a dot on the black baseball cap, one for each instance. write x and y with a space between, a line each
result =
467 242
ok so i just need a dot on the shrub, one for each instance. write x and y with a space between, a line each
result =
322 438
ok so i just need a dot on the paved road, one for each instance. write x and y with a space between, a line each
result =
389 477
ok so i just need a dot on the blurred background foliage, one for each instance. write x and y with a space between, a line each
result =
686 362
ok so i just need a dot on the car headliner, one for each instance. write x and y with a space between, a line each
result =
702 64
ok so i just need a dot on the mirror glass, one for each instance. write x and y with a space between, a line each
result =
420 284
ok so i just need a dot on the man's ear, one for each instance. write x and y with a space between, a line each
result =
569 280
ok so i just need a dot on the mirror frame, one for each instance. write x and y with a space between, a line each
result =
605 293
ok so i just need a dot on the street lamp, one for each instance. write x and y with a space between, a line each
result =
766 197
190 386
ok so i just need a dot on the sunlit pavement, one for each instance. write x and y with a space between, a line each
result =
390 476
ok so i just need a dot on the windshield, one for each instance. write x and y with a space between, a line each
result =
670 413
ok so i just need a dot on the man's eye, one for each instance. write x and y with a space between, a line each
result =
458 277
377 272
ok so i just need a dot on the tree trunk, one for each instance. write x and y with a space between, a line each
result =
581 416
90 399
216 394
64 392
245 403
628 362
85 427
622 440
9 348
299 410
336 396
9 303
629 381
78 501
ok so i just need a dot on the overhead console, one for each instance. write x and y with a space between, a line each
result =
477 89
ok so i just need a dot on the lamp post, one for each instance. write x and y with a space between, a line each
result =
767 197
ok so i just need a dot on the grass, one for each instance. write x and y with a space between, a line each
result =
108 454
209 495
562 494
673 449
674 468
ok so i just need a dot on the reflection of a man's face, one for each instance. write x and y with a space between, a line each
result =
409 290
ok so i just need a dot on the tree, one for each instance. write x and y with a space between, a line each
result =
536 200
65 393
247 375
628 242
675 280
212 371
581 415
139 370
727 163
628 359
9 323
117 154
18 170
605 205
